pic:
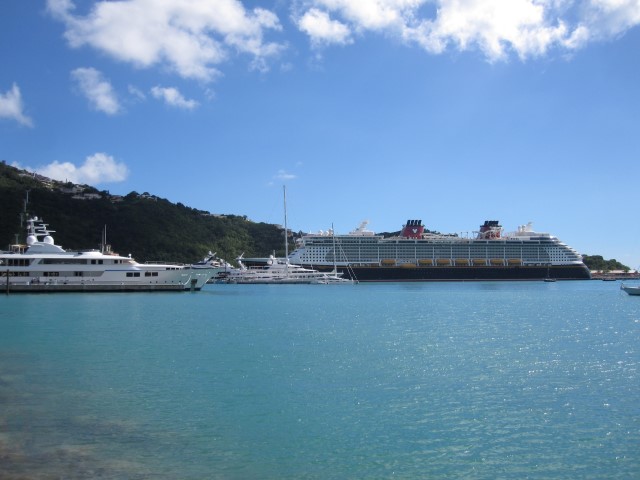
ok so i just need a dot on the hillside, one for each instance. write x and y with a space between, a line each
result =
596 262
147 227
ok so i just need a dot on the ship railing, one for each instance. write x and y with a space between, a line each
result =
158 262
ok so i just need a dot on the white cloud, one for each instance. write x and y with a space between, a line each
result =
322 30
607 18
190 37
373 14
11 107
97 89
497 28
283 175
173 97
493 26
96 169
136 92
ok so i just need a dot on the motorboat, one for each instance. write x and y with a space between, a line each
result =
43 266
212 266
631 290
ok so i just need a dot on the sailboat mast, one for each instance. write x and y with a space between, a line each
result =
286 240
335 262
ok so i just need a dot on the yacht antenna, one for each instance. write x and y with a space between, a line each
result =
103 246
23 213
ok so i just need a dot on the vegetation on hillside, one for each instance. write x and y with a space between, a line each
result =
596 262
147 227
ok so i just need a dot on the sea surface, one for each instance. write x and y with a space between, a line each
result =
468 380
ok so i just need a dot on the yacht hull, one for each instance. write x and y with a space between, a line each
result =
61 287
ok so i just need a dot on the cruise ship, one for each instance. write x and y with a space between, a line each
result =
418 255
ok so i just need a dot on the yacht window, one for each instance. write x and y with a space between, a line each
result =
18 262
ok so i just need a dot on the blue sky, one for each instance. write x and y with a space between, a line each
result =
449 111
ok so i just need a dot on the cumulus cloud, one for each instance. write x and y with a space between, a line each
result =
608 18
96 169
322 29
190 37
497 28
11 107
171 96
97 90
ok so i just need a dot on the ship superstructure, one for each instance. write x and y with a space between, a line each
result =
418 255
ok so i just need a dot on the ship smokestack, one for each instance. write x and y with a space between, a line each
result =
490 229
413 229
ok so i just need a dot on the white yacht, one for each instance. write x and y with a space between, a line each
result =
43 266
280 271
275 270
211 266
631 290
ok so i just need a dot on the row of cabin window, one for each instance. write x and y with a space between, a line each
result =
146 274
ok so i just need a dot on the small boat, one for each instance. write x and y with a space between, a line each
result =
635 290
548 278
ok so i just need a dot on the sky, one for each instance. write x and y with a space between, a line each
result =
449 111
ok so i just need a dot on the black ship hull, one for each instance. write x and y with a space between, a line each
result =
460 273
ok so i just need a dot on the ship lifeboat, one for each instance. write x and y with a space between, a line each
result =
462 261
388 262
479 261
425 262
443 261
497 261
408 265
514 261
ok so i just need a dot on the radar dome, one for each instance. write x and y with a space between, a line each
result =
31 239
48 240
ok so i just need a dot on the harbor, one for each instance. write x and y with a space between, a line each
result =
383 380
451 291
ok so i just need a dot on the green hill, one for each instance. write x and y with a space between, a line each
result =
147 227
596 262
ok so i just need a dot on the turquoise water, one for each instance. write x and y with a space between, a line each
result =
434 380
